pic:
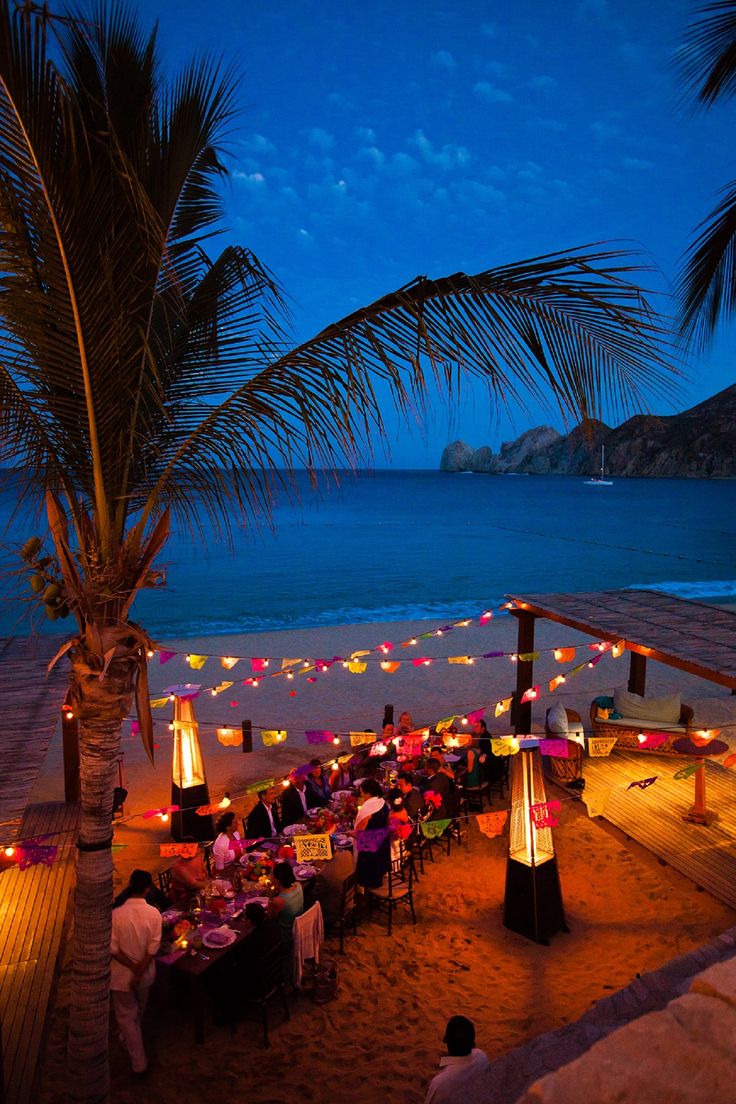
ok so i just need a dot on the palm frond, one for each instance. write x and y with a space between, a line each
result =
707 282
707 57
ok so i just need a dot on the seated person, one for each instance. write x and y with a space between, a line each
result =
413 800
294 803
317 785
188 876
405 725
284 907
263 820
340 774
440 784
329 882
153 895
227 848
438 757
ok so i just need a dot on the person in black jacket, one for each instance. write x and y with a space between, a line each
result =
263 820
491 764
413 800
294 802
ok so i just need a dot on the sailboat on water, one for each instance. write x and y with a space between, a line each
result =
599 480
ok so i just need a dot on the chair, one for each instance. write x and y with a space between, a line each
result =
417 845
269 982
474 797
454 828
348 908
209 857
501 781
398 889
308 935
164 881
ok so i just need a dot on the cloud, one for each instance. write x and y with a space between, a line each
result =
443 59
257 143
448 157
303 234
543 83
372 154
366 134
403 163
320 138
488 92
249 178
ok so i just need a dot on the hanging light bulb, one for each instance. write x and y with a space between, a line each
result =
285 782
9 852
171 726
558 654
334 764
172 697
225 801
513 657
463 720
413 640
289 675
213 692
336 739
164 817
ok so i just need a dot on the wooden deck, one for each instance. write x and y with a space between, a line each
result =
653 817
30 704
33 910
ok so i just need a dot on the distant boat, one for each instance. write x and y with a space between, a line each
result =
598 480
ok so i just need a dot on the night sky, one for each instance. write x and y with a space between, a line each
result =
377 141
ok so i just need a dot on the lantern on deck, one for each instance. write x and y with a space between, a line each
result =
533 899
188 781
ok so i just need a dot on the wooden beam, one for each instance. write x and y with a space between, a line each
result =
637 673
521 712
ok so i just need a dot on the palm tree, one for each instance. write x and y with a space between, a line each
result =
142 378
707 283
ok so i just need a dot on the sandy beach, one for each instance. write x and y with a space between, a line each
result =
382 1037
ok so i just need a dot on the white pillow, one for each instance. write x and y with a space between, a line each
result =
665 709
557 719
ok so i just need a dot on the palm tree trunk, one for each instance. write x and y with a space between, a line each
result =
101 704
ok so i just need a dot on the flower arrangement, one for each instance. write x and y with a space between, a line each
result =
259 869
345 807
323 821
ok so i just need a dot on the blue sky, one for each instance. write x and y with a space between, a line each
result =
377 141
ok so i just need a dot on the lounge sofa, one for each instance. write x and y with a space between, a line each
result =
628 716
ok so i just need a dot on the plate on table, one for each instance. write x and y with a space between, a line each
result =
343 793
341 840
303 872
313 812
272 845
264 901
452 758
218 938
295 830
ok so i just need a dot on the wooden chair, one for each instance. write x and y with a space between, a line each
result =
209 857
397 889
501 781
164 882
418 845
454 828
348 908
269 983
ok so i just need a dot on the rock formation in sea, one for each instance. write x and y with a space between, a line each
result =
699 443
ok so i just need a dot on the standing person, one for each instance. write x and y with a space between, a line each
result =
491 764
227 848
371 866
294 802
136 936
263 819
461 1068
318 788
406 724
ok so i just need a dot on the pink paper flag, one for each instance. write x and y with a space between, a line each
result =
556 749
531 694
544 814
164 657
420 661
476 715
35 854
319 736
258 664
654 740
135 728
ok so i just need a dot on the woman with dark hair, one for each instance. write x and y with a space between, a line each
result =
373 814
227 849
286 904
318 787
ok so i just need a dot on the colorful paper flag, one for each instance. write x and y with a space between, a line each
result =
158 703
257 665
251 788
503 706
319 736
458 659
508 745
222 686
545 814
163 811
476 715
654 740
444 724
685 772
599 746
36 854
164 657
371 839
289 663
420 661
390 666
642 783
555 682
595 803
528 657
531 694
197 661
492 824
431 829
357 668
273 736
310 848
564 655
228 662
358 738
556 749
170 850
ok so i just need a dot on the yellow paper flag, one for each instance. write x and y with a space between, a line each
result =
357 655
356 667
503 706
389 666
197 661
222 686
444 724
507 746
492 824
596 802
309 848
358 738
601 745
528 657
271 736
458 659
289 663
158 703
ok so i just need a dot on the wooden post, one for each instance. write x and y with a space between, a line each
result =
70 744
521 712
247 737
388 715
637 673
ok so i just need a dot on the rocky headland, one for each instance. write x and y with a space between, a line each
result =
699 443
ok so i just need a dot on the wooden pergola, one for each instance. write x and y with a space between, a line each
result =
691 636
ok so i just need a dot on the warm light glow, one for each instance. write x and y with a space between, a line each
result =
68 715
187 767
150 653
617 650
171 726
641 738
558 653
290 674
463 720
336 739
172 697
305 663
470 659
334 764
527 844
213 692
513 657
591 664
285 783
228 662
9 852
164 817
344 663
280 736
427 662
413 640
438 633
225 801
396 741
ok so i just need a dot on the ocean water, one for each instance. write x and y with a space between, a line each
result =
410 544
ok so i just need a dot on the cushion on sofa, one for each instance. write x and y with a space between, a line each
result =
665 710
643 726
557 719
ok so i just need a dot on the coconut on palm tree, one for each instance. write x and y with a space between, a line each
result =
142 376
707 284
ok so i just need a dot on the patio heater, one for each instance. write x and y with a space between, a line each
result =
188 781
533 899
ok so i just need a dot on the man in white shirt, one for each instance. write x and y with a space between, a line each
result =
461 1068
136 936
